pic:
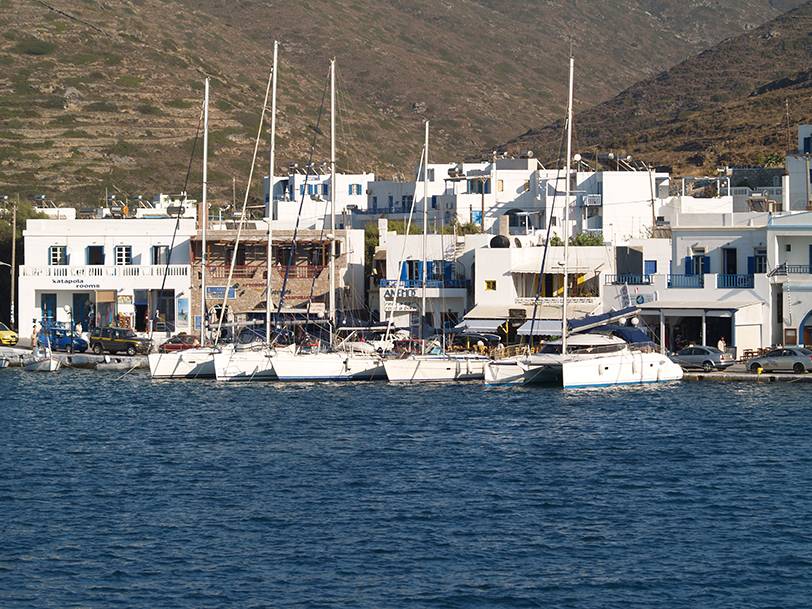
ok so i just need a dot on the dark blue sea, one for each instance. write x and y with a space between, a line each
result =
133 493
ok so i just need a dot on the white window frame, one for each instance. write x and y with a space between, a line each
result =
58 255
123 255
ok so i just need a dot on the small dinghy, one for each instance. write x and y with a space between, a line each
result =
42 362
4 362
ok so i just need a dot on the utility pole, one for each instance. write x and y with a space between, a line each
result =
12 321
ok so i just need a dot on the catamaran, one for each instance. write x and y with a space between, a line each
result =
587 360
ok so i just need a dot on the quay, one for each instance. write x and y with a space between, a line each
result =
748 377
15 356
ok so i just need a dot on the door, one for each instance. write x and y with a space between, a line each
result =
81 310
48 306
166 310
807 336
729 261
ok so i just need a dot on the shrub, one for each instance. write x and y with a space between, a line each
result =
34 46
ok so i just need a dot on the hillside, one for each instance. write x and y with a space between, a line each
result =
99 94
727 105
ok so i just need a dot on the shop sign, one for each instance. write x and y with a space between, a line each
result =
77 282
220 292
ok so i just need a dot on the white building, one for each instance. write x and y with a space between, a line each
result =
120 272
311 194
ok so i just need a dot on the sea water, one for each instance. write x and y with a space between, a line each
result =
124 492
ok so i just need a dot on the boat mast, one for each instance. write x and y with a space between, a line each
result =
425 230
204 207
268 283
567 211
332 197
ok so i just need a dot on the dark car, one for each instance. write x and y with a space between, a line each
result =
117 340
790 359
181 342
60 339
701 356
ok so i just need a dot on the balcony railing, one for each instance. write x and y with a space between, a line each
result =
95 271
734 281
686 281
241 271
628 279
418 283
300 271
790 269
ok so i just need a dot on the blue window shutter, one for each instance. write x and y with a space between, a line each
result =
404 272
487 187
751 265
650 267
301 189
705 264
448 271
349 189
689 265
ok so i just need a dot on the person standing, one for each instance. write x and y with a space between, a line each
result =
722 345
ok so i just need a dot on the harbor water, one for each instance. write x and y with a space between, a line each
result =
134 493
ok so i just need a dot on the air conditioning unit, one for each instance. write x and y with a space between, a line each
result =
592 201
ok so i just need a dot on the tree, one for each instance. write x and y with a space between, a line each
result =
587 239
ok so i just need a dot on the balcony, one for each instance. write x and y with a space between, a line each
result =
97 272
241 271
418 283
686 281
735 281
628 279
93 277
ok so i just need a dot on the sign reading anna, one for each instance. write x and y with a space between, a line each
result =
401 293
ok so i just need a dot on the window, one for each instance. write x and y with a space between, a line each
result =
434 201
374 202
95 255
354 189
479 186
58 255
500 185
325 190
160 255
430 174
490 285
407 201
788 246
391 203
760 262
124 255
650 267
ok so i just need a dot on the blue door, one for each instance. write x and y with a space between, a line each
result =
81 310
48 306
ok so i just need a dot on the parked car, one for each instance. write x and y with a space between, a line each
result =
181 342
790 359
60 339
8 337
701 356
116 340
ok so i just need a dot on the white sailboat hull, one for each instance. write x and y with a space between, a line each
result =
335 366
44 365
624 368
431 368
523 371
246 365
188 364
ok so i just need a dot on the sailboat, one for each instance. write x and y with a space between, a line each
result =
342 362
249 363
436 366
587 360
197 362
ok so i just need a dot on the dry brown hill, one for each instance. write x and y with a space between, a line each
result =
726 105
98 93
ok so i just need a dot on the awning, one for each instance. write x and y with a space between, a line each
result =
552 268
479 325
541 327
688 308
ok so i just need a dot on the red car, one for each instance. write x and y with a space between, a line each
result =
181 342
